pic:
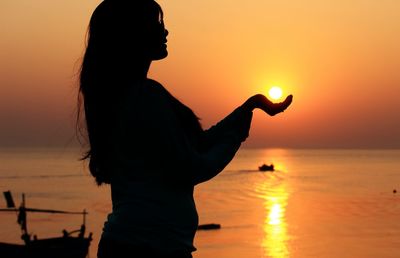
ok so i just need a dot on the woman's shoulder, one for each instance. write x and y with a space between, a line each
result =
156 89
145 99
152 84
155 86
141 90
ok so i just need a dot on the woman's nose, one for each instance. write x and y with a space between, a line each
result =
166 32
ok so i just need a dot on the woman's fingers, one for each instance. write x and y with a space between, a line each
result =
274 108
286 103
263 103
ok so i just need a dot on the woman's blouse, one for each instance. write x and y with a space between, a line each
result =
156 165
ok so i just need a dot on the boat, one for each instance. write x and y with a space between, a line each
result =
210 226
68 245
265 167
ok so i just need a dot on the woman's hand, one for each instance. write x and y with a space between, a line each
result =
263 103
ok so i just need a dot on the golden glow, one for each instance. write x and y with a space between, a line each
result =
275 228
275 93
240 57
275 195
274 216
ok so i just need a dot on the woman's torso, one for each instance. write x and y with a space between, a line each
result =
151 206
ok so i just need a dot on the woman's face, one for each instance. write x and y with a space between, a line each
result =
157 42
160 47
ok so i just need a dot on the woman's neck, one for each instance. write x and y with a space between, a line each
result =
141 71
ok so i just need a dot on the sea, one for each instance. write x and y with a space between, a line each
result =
317 202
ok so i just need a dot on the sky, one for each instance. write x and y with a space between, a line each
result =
339 58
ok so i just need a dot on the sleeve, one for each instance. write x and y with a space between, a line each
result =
238 122
181 160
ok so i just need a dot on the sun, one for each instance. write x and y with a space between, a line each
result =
275 92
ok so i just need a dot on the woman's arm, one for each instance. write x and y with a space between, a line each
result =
239 120
180 160
226 139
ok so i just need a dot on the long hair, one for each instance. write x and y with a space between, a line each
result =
115 51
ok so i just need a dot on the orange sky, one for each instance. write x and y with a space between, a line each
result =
340 60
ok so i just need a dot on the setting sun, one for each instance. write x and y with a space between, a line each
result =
275 92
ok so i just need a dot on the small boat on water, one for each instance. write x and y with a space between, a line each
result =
65 246
210 226
265 167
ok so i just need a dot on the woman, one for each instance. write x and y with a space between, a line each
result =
145 143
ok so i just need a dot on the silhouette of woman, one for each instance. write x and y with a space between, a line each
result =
144 142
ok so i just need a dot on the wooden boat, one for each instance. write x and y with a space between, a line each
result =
265 167
65 246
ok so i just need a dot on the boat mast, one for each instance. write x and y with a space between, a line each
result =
23 221
22 215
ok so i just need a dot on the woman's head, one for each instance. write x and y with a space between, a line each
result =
124 37
128 30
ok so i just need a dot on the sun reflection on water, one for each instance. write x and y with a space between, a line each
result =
275 238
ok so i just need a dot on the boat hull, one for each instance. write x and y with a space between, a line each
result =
60 247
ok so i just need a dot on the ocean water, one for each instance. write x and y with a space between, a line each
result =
318 203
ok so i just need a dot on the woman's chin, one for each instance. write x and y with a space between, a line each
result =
161 55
